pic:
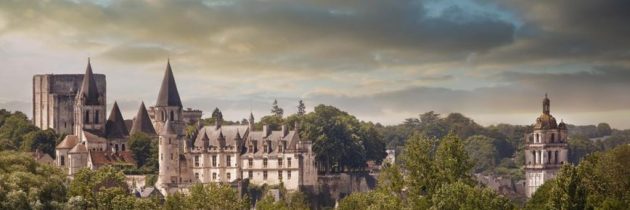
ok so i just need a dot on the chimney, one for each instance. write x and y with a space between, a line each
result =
266 130
285 130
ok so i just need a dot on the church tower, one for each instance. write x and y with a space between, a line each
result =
546 149
168 106
89 108
169 126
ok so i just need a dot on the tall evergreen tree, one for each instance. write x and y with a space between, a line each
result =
276 110
301 108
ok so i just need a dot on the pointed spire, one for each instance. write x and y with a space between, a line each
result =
88 88
168 95
142 123
115 126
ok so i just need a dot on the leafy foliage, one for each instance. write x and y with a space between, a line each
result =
145 151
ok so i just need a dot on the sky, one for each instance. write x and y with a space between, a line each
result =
380 60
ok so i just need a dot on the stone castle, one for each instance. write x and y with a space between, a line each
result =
546 149
76 105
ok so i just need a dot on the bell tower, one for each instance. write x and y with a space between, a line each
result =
89 108
546 149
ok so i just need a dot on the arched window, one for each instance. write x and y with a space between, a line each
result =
116 148
534 157
86 119
556 154
548 156
163 116
96 115
553 137
172 115
537 138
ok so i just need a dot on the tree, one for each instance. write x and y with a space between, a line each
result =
276 110
27 184
422 173
41 140
13 131
482 152
452 162
301 108
579 147
372 142
217 115
99 188
603 129
214 196
460 195
145 150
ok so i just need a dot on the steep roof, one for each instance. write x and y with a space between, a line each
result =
79 148
168 96
68 142
88 88
142 123
100 158
115 126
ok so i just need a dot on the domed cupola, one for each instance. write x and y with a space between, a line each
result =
546 120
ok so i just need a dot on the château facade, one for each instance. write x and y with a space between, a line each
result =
216 153
546 149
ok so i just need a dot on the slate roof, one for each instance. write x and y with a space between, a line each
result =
142 122
276 138
89 90
115 126
101 158
68 142
222 136
168 95
79 148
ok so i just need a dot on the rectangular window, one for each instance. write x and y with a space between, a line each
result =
96 115
214 160
196 160
280 175
197 176
161 156
214 176
264 162
171 156
265 148
228 161
250 162
279 162
62 160
250 174
264 175
289 162
229 176
288 174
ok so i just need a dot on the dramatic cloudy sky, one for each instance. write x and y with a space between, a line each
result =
382 60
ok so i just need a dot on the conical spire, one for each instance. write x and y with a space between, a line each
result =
168 96
115 126
88 88
142 123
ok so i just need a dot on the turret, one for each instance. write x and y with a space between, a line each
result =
168 159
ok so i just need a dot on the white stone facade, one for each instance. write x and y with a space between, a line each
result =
546 150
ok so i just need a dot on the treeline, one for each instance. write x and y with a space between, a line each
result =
498 149
17 133
27 184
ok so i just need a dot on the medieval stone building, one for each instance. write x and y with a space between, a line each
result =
546 150
216 153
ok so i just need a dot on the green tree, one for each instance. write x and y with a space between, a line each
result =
482 152
460 195
579 147
373 143
42 140
26 184
100 187
422 173
276 110
215 196
603 129
452 163
301 108
145 150
13 131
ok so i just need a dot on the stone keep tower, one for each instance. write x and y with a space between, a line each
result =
168 106
545 150
89 108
